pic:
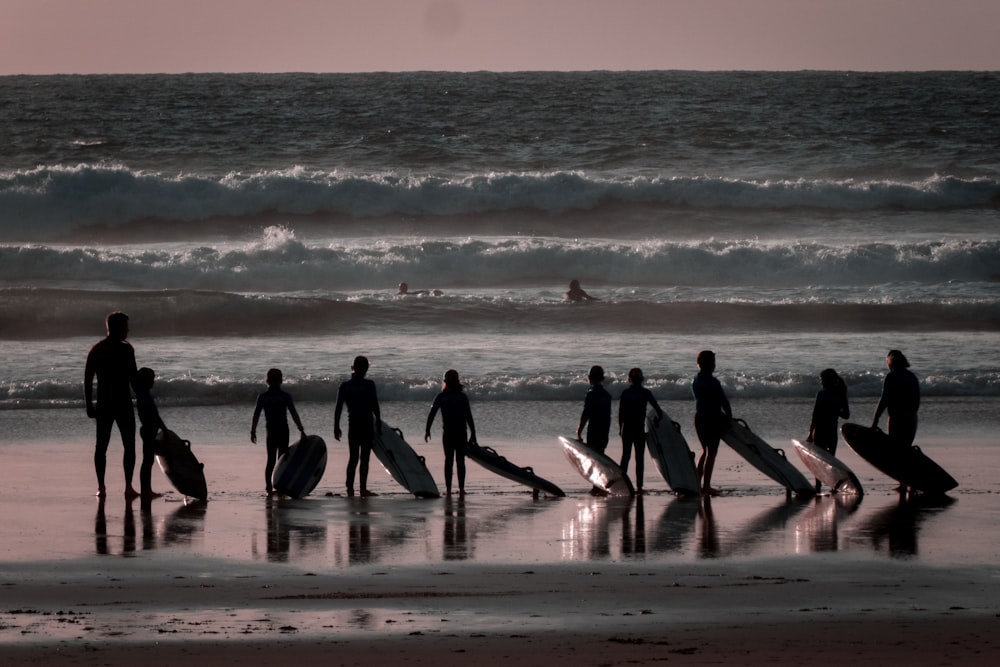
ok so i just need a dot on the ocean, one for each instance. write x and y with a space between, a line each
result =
788 221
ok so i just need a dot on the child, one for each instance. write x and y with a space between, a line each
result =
830 406
711 418
276 405
364 419
596 416
150 425
455 415
632 422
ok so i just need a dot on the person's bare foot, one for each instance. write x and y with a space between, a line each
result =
365 493
131 493
150 495
101 492
709 491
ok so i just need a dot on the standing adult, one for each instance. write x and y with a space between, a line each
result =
364 418
900 398
712 415
112 362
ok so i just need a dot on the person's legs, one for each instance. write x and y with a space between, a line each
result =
105 422
460 465
146 467
125 418
708 431
449 465
639 442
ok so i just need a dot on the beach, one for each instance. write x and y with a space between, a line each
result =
495 576
789 221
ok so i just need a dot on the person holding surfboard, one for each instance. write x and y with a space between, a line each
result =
900 398
276 404
112 362
596 416
632 422
830 406
456 414
364 419
712 415
150 424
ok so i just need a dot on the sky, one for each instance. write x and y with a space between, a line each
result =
171 36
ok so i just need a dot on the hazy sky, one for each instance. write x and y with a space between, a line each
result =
86 36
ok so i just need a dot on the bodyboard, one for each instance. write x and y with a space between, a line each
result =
765 458
403 463
489 459
905 464
597 468
180 465
300 468
671 454
828 469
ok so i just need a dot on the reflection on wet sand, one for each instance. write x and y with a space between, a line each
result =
178 528
818 530
291 524
896 527
744 540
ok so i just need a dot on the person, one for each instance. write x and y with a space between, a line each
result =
150 424
404 290
632 422
112 362
364 419
830 406
712 415
456 414
577 293
900 398
596 416
276 404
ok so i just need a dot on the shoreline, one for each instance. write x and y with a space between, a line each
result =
784 610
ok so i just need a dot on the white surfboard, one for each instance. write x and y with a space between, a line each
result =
403 464
765 458
671 454
828 469
597 468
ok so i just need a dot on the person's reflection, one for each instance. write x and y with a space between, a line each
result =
821 525
708 542
634 544
128 538
899 524
182 525
278 539
677 523
101 529
359 539
456 545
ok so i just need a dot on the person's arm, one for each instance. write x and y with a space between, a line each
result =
882 403
430 417
472 424
295 416
253 422
336 413
376 410
88 385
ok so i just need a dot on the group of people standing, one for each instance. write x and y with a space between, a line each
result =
900 398
111 362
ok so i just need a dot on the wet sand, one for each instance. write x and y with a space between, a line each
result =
496 578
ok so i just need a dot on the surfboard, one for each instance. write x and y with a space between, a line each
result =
765 458
300 468
671 454
828 469
403 464
489 459
597 468
180 465
905 464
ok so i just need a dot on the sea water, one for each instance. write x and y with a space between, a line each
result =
788 221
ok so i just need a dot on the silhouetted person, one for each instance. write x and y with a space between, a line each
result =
112 362
900 398
632 422
364 418
456 414
596 416
712 416
577 293
830 406
276 404
150 424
